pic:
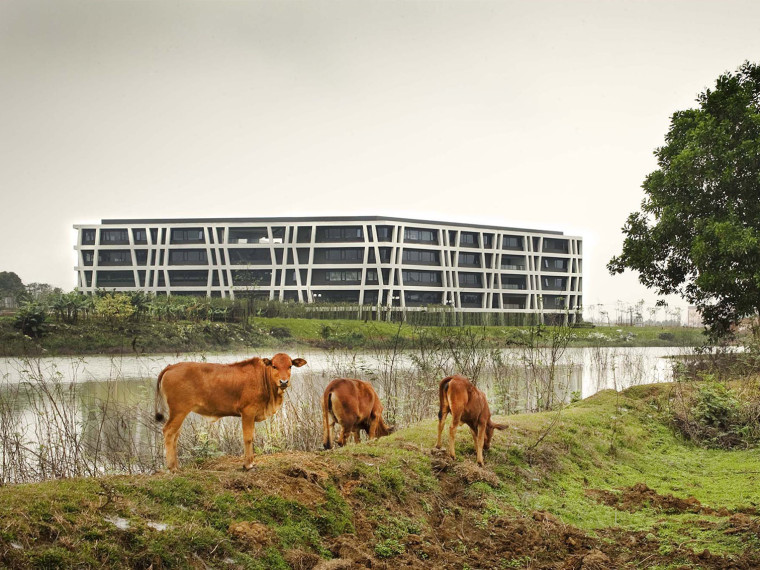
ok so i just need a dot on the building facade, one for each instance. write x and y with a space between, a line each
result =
365 260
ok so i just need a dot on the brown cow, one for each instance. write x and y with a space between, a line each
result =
467 405
355 406
251 389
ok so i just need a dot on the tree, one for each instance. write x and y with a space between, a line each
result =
698 231
11 285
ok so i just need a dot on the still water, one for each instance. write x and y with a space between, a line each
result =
68 416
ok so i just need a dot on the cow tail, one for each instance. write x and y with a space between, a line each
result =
443 387
160 402
326 411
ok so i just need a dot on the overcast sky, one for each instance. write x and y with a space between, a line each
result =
521 113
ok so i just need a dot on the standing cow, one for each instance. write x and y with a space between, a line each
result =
355 406
467 405
251 389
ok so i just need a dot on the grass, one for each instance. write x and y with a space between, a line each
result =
96 336
394 500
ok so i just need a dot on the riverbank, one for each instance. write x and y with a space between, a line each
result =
608 486
96 336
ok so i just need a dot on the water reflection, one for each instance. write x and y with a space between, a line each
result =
62 417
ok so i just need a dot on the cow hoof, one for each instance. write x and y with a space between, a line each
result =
248 467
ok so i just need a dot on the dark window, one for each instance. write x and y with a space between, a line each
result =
188 257
418 298
513 282
468 239
115 279
114 257
371 276
555 264
419 235
469 259
87 257
420 257
384 233
470 280
513 301
514 263
140 235
141 256
352 276
246 256
339 233
421 277
554 283
339 255
185 278
114 237
336 296
487 242
471 300
304 235
555 245
554 302
512 242
252 278
88 237
187 235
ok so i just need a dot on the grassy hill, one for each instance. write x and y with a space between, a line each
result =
609 486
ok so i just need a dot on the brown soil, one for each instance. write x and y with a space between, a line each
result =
458 535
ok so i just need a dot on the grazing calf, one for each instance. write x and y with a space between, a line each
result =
355 406
467 405
251 389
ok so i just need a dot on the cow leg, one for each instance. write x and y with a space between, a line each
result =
171 435
455 421
346 430
442 413
357 436
249 428
480 439
373 423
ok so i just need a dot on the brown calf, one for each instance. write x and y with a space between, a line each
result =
251 389
355 406
467 405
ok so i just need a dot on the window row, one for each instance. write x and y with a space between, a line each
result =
324 234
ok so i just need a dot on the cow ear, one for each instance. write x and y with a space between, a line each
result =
266 362
298 362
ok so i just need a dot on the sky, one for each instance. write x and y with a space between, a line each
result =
537 114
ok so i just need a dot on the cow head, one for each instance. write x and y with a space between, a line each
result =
281 364
489 433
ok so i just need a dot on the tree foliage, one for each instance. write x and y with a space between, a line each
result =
11 285
698 231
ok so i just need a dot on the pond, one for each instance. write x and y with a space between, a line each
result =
69 416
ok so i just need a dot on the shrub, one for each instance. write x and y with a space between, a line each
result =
30 319
713 415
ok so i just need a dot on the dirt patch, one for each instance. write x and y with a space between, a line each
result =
254 534
640 496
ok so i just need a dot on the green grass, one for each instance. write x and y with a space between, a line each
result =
392 499
100 337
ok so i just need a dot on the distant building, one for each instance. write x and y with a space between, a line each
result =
367 260
693 317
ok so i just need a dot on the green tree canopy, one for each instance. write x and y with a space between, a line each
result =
11 285
698 231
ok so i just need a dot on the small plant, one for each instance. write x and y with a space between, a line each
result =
389 548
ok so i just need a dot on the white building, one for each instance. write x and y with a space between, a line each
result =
366 260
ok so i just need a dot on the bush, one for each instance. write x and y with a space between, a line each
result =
713 415
30 320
